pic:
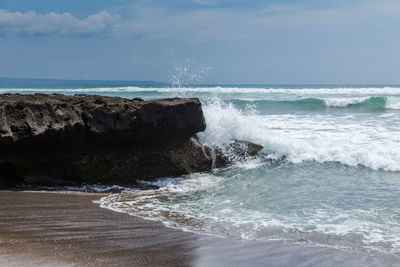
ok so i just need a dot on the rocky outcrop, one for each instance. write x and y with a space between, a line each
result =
26 117
238 150
60 140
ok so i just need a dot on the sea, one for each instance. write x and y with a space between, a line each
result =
328 176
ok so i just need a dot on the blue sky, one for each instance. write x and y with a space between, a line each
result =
237 41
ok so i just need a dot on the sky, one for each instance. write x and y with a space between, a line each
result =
209 41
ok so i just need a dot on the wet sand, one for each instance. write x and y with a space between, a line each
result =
68 229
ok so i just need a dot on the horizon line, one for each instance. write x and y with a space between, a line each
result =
197 84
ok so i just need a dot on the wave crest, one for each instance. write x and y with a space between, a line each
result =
358 103
346 139
225 90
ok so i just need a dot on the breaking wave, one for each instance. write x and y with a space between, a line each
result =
375 103
345 139
223 90
309 99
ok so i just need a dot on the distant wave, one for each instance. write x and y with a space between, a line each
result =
299 98
223 90
375 103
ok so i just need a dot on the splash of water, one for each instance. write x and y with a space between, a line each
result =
189 74
369 143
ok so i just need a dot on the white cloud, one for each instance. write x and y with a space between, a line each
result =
155 22
33 24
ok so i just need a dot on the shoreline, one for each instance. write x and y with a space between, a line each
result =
66 228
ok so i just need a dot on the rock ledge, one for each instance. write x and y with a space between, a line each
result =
66 140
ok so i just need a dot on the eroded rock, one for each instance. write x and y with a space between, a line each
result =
24 117
238 150
60 140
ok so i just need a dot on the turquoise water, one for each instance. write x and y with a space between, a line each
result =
329 174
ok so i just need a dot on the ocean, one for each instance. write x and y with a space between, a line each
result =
329 173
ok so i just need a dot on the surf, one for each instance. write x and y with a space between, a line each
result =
311 203
352 139
366 104
225 89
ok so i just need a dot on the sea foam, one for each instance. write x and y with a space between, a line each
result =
351 140
225 90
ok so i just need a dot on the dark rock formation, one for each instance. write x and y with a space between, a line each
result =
25 117
60 140
236 151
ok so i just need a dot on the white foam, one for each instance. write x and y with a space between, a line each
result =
202 204
366 141
162 182
393 102
162 204
343 102
223 89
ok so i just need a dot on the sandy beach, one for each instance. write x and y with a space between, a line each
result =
68 229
